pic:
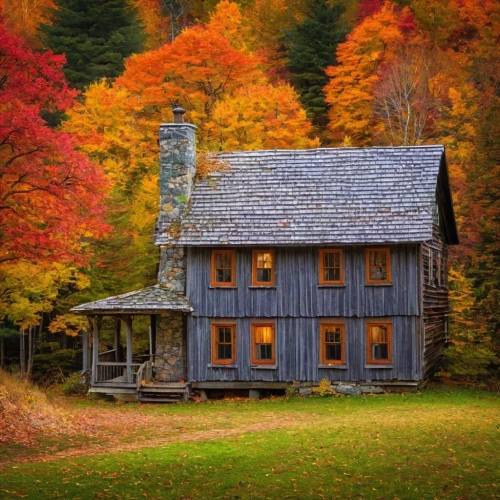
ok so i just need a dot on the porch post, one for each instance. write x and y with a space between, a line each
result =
85 350
152 337
118 346
128 324
96 327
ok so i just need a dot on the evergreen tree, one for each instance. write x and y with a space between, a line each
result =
311 48
96 36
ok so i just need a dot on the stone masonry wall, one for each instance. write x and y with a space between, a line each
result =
177 171
170 356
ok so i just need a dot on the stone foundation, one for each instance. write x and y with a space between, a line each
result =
170 356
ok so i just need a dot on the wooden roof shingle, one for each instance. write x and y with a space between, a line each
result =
151 300
319 196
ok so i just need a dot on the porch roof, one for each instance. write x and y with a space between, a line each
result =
150 300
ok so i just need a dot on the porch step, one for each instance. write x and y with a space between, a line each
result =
164 392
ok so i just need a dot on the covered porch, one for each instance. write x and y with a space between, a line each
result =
121 371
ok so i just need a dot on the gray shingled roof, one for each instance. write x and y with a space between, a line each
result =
150 300
319 196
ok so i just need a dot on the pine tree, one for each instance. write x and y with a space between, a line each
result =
96 36
311 48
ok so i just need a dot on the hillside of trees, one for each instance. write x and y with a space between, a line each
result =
85 84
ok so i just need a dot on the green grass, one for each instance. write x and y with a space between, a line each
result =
439 444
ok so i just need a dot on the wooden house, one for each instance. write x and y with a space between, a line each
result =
288 266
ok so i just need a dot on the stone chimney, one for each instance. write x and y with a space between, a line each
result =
177 171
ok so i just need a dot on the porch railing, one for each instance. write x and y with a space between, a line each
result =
108 371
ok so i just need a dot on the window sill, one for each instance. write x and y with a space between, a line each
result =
334 367
268 287
333 285
222 287
379 366
379 284
215 365
264 367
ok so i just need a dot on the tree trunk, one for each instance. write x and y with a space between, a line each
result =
30 352
22 354
2 351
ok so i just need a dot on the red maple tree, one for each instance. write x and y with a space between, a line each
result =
50 193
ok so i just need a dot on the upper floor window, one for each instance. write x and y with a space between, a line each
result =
223 268
263 344
223 343
331 270
332 343
379 342
378 265
263 268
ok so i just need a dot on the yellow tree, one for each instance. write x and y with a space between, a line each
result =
212 78
350 91
28 290
259 117
24 17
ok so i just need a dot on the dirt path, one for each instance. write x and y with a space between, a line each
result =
112 431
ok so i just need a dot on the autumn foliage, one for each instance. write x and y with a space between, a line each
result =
50 193
407 73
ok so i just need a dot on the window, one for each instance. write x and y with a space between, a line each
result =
223 343
331 266
378 265
263 268
379 342
223 268
263 344
437 268
332 343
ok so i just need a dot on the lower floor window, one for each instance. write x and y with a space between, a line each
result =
379 342
223 343
263 344
332 343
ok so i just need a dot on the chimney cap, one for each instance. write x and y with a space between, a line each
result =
178 113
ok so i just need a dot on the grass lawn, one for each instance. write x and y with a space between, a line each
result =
442 443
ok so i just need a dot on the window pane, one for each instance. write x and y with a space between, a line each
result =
333 337
380 351
264 351
224 351
264 260
331 259
334 352
263 334
379 334
378 273
332 274
264 275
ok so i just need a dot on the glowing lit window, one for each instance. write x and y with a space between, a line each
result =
379 342
263 344
263 268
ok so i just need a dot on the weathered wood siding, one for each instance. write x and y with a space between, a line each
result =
297 293
297 352
297 303
435 303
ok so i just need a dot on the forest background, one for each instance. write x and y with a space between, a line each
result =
84 85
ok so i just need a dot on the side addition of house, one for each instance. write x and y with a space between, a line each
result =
287 266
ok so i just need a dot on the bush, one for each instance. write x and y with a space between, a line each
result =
74 386
324 389
54 365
